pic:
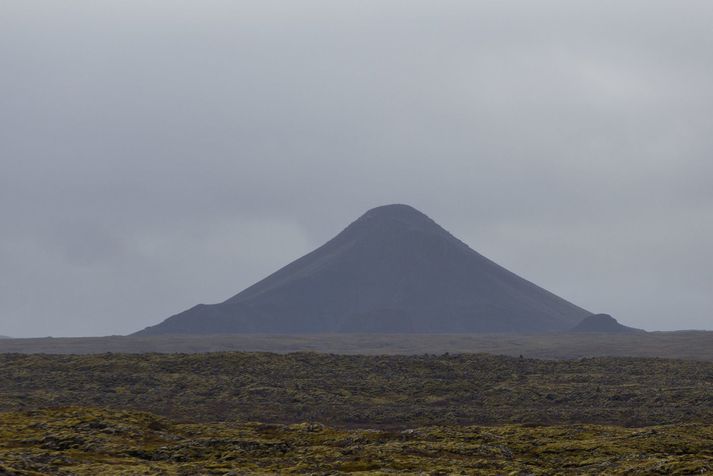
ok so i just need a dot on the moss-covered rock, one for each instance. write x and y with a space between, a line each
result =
88 441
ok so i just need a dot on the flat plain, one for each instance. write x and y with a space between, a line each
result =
676 345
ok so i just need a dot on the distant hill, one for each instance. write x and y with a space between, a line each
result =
603 323
393 270
5 337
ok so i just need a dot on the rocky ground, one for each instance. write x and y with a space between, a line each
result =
87 441
188 414
366 391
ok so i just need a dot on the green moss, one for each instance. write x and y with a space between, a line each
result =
88 441
378 415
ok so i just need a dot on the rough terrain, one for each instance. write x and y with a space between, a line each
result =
87 441
366 391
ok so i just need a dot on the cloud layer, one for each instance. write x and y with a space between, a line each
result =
154 155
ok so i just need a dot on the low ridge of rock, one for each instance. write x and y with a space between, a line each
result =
603 323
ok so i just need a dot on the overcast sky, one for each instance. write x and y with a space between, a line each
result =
155 155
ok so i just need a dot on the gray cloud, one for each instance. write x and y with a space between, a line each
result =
156 155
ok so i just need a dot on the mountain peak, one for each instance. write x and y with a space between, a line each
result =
398 211
394 217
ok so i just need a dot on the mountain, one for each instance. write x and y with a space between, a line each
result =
603 323
393 270
5 337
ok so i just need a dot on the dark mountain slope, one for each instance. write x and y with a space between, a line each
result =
392 270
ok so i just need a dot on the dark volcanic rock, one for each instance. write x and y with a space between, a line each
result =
393 270
602 323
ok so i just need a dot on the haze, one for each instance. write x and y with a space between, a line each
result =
156 155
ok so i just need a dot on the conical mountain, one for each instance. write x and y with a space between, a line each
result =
392 270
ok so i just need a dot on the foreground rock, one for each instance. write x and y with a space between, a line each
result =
83 441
